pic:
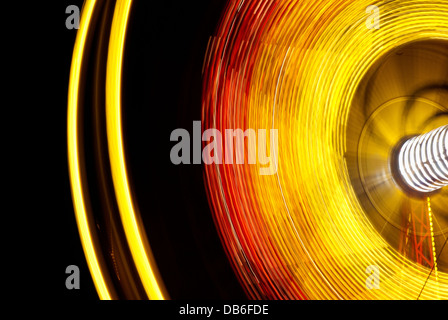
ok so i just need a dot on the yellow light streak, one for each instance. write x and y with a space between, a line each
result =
135 234
73 156
433 244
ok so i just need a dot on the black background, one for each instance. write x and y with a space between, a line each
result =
162 87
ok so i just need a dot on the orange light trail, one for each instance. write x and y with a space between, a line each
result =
295 66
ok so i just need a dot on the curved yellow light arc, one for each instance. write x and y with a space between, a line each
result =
141 252
73 154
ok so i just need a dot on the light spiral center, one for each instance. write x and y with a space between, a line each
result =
423 161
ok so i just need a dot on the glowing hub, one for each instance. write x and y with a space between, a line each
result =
423 161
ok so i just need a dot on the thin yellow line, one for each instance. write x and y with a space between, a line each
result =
433 244
72 141
141 252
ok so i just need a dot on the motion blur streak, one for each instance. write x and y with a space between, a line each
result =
132 225
73 156
295 66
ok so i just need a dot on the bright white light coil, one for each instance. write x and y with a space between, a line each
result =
423 161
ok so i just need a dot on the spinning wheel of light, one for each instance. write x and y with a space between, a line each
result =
312 70
356 185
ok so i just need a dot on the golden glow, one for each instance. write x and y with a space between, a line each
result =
73 155
133 228
295 66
